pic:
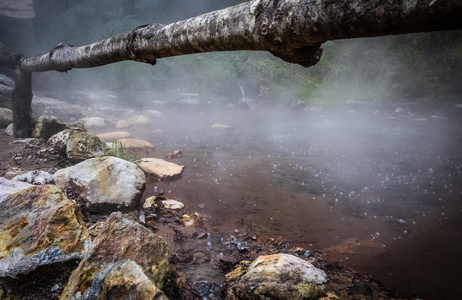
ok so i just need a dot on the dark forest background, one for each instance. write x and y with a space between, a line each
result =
416 67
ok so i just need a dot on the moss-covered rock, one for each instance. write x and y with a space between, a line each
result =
78 145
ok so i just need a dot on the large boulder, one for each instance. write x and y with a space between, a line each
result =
6 117
47 126
160 168
104 182
127 253
278 276
78 145
39 226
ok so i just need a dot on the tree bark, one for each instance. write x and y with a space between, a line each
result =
293 30
22 99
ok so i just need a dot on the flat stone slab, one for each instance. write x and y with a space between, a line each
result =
136 144
116 135
160 168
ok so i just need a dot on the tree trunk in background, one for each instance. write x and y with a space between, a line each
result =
290 29
22 99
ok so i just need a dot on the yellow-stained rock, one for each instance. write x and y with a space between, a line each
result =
39 226
121 239
278 276
125 279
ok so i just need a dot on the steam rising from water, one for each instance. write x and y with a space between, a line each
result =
372 191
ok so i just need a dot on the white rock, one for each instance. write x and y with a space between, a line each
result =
9 129
35 177
105 179
172 204
187 220
8 187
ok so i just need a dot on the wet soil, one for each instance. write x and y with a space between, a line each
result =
380 196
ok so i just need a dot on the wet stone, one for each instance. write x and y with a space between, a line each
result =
39 226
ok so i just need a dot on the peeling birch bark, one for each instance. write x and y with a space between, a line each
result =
292 30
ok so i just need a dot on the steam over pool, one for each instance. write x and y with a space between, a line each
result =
379 195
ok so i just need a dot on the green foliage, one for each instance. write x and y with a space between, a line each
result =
122 152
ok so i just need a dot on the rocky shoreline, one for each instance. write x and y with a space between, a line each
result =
107 232
73 225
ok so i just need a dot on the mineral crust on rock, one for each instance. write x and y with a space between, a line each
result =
124 250
39 226
278 276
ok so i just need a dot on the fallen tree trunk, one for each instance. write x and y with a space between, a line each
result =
292 30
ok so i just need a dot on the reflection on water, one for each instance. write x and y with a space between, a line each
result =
381 196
